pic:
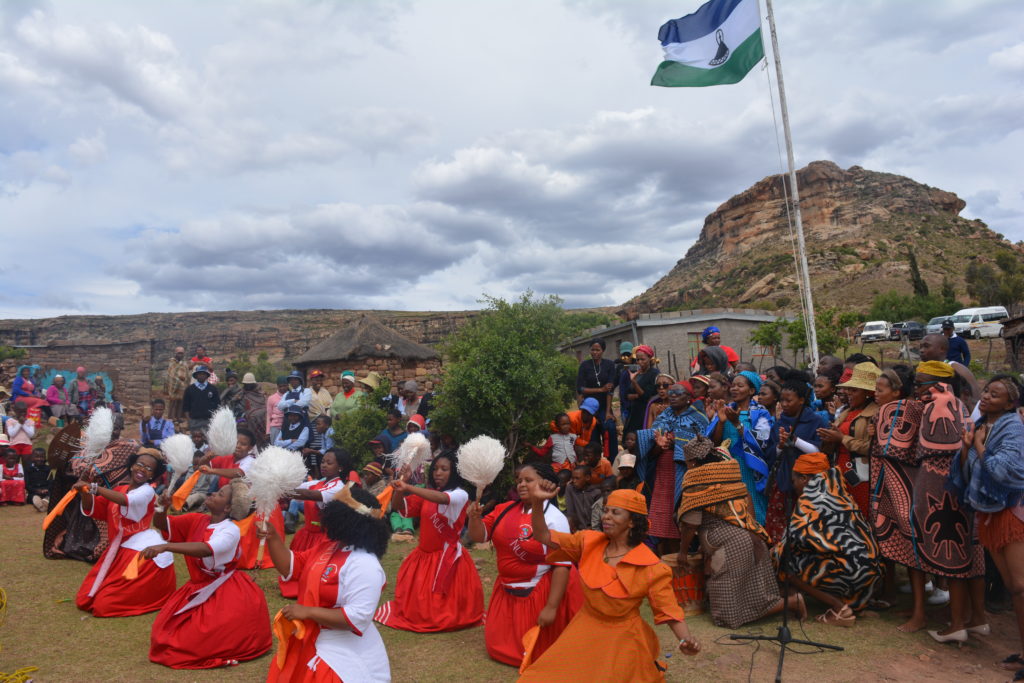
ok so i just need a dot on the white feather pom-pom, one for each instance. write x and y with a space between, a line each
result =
481 460
412 452
98 431
222 434
178 451
276 472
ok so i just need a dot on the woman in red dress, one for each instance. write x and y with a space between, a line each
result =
529 591
341 580
127 509
234 466
438 587
219 617
314 494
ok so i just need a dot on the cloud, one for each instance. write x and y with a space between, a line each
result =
1009 59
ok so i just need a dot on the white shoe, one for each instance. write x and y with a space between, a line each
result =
907 589
39 504
938 597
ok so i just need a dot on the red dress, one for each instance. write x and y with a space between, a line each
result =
311 534
336 578
13 490
438 587
105 592
220 614
250 543
523 584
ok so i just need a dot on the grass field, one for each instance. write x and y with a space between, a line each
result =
44 629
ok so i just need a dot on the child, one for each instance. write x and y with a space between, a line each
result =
154 430
600 468
438 586
627 477
629 442
373 478
207 484
12 483
700 392
20 430
37 480
580 497
377 448
560 446
607 486
564 477
321 440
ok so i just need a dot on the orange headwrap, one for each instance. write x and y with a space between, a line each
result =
811 463
627 499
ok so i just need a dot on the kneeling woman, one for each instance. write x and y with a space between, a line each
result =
528 591
832 555
219 617
127 509
608 640
741 583
438 587
340 581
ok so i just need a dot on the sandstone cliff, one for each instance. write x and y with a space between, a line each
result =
858 225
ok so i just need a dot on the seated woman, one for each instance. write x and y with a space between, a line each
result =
127 509
59 399
294 431
340 582
741 582
219 616
828 550
23 390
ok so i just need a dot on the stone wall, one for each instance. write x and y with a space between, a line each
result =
426 372
127 364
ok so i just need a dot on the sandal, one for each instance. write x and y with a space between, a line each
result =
1012 663
880 605
844 617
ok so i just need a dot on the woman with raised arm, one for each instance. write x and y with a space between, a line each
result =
617 572
329 632
127 509
219 616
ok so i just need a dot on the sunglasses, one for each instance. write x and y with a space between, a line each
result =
677 392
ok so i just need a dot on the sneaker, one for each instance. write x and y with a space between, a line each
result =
39 504
907 589
938 597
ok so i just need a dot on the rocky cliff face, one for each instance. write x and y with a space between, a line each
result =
858 225
283 335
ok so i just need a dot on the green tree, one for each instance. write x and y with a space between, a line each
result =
353 429
581 321
982 282
263 369
503 375
769 335
12 352
920 286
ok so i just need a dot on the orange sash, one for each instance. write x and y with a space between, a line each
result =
59 507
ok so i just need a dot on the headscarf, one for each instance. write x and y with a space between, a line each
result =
708 331
645 349
683 385
847 374
754 379
935 368
627 499
374 468
718 489
350 375
811 463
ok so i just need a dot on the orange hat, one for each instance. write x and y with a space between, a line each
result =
627 499
811 463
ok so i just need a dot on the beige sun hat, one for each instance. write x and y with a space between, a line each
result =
863 377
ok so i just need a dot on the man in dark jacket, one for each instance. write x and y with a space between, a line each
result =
200 399
958 350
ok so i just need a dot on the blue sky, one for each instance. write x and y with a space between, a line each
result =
415 155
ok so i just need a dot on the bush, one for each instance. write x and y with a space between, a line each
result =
354 429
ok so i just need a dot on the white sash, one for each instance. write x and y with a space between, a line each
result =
204 593
108 559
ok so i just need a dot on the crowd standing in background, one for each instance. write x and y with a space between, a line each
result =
787 489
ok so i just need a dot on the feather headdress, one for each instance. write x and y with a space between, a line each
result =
222 434
480 461
98 432
412 453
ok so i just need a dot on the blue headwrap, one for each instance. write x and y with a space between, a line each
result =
708 331
754 379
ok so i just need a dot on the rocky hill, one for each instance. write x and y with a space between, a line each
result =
858 225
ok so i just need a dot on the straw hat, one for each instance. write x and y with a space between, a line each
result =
371 380
863 377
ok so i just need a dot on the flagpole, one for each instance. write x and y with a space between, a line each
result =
812 334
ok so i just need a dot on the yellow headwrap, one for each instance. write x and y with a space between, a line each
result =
935 368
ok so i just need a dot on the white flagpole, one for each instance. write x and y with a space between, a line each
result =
812 334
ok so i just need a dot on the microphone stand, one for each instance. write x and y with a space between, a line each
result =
784 637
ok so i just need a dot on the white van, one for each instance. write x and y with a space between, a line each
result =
976 323
877 330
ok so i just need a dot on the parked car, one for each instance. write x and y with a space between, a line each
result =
934 325
911 328
979 322
876 330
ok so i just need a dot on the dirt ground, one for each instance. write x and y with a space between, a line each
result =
44 629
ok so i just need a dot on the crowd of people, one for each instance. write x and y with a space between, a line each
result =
778 488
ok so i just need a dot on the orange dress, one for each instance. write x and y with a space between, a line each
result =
608 640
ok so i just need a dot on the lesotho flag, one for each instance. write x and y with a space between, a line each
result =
716 45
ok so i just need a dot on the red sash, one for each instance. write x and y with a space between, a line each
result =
450 553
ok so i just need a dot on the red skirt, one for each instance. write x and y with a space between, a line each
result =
417 608
509 617
12 491
775 521
234 624
119 597
250 543
999 529
307 537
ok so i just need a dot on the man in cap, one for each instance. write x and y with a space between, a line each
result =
200 399
936 347
585 425
320 403
175 381
958 349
